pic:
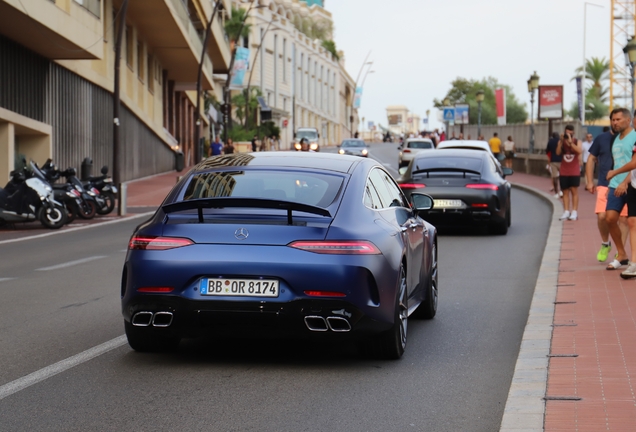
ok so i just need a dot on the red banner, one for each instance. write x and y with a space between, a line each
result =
500 99
551 102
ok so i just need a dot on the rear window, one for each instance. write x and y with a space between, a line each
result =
466 163
295 186
420 144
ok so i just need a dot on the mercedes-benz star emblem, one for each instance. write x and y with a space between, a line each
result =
241 234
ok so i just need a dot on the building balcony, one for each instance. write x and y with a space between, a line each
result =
57 32
166 26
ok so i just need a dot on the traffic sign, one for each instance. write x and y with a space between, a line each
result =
449 114
285 123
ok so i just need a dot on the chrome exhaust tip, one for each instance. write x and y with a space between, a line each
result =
338 324
316 323
162 319
141 319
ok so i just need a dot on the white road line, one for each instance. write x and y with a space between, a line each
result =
147 214
6 279
59 367
71 263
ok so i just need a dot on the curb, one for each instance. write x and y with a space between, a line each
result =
525 406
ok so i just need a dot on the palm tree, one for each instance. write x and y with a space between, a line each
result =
236 27
596 71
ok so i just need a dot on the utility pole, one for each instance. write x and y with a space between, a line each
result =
116 105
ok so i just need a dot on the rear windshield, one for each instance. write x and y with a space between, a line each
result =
295 186
420 144
467 163
353 144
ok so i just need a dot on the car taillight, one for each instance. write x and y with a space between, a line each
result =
406 151
325 294
155 289
158 243
337 247
479 205
482 186
412 185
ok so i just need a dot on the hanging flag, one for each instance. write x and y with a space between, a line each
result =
241 62
579 94
357 98
500 98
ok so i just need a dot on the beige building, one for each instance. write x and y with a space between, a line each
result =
302 82
402 121
57 79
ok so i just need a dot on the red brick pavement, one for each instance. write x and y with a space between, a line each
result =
595 324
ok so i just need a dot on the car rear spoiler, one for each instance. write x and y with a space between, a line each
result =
430 170
202 203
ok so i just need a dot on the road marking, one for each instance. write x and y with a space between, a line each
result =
59 367
110 222
71 263
6 279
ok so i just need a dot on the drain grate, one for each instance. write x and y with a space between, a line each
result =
562 398
564 302
563 355
564 325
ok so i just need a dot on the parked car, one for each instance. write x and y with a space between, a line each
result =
354 147
468 145
467 186
282 243
411 147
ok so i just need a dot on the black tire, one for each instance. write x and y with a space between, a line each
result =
71 212
87 209
54 218
109 197
390 345
146 339
428 308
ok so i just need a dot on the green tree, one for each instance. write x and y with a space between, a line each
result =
236 27
596 108
330 46
597 71
242 100
464 91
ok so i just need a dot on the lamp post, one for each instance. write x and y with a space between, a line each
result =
355 88
630 59
480 98
121 206
197 113
533 84
253 66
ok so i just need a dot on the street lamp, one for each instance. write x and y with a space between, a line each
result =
355 88
198 150
480 98
533 84
630 59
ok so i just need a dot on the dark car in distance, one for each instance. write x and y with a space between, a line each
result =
468 188
354 147
282 243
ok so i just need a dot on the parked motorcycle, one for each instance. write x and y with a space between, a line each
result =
28 198
89 201
64 193
103 185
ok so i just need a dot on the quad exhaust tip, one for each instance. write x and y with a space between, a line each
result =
156 319
320 324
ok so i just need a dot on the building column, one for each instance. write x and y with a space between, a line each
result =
7 150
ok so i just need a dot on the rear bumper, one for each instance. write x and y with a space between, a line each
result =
461 217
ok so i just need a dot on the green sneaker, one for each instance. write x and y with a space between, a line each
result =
602 254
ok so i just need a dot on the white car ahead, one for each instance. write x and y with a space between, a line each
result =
411 147
469 145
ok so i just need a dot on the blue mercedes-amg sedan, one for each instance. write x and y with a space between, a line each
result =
282 244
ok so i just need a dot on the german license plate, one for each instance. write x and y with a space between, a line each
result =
446 203
239 287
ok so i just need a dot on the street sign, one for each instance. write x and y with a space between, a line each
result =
285 123
425 120
449 114
462 116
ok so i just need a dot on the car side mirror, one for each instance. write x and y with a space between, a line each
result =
402 170
421 201
507 171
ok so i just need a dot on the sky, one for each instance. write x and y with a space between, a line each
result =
419 46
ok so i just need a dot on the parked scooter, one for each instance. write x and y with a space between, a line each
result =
90 202
103 186
64 193
28 198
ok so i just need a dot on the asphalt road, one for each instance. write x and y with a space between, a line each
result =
61 299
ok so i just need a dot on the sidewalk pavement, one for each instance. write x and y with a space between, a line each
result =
577 365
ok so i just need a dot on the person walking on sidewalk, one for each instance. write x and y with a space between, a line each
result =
554 163
509 151
622 151
495 146
630 272
569 173
601 156
216 147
